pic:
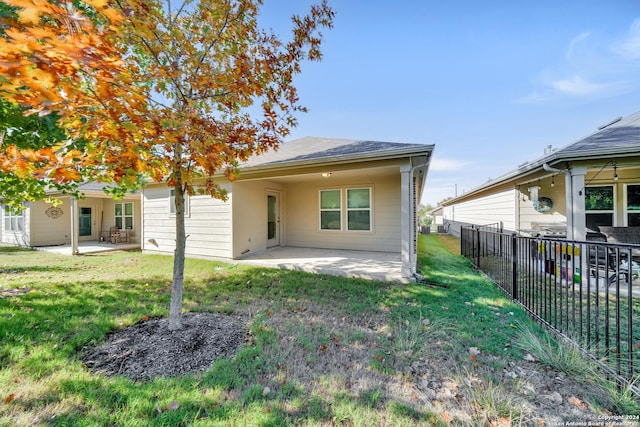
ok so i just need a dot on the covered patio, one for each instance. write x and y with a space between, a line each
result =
90 247
382 266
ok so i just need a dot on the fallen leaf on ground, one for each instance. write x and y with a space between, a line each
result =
446 417
577 402
9 398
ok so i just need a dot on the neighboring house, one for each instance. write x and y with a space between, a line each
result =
585 187
437 216
87 219
312 193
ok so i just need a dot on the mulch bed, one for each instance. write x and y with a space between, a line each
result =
148 349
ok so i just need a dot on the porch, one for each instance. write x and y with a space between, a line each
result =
89 247
381 266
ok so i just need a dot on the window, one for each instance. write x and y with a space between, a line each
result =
172 203
331 209
358 209
599 205
124 215
355 208
13 221
632 206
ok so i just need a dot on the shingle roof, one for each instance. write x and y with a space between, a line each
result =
320 150
621 136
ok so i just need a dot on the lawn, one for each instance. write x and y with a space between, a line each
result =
320 350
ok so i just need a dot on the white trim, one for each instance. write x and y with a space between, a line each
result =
625 202
172 204
8 218
321 209
123 215
613 211
348 209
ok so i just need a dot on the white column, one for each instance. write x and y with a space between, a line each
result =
75 226
579 223
405 221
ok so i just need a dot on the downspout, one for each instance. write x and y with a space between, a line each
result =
569 196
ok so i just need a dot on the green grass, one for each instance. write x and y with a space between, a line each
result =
328 348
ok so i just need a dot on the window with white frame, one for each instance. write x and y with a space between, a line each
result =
124 215
347 209
632 205
331 209
359 209
599 204
13 221
172 203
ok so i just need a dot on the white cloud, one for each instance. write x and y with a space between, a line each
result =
576 85
593 67
575 42
629 48
440 165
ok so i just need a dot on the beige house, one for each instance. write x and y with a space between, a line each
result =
579 191
74 220
310 193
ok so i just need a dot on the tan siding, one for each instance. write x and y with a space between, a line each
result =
208 224
47 231
529 216
250 215
497 207
302 216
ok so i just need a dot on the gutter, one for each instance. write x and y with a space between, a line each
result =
426 149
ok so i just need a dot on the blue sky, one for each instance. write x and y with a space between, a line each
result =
491 83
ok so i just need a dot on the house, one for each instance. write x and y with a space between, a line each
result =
437 218
74 220
310 193
575 192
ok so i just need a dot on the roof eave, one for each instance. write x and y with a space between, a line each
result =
424 150
535 166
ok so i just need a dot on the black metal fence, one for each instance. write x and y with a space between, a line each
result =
588 292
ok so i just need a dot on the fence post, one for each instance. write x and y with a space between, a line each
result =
478 247
514 266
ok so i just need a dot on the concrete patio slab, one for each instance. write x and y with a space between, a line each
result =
382 266
90 248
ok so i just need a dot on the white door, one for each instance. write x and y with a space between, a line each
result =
273 220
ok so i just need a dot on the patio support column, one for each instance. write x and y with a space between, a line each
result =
576 221
405 221
75 226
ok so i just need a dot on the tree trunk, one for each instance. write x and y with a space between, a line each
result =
175 307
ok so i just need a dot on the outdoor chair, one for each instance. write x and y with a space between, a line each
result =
114 235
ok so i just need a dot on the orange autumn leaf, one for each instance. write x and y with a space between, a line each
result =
9 398
577 402
446 417
226 85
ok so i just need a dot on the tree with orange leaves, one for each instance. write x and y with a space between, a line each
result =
169 91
